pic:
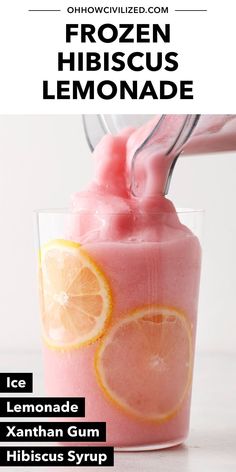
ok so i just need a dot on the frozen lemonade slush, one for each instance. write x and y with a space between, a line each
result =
119 303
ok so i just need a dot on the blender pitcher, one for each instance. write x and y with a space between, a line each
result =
172 135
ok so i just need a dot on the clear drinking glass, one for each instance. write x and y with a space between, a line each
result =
119 311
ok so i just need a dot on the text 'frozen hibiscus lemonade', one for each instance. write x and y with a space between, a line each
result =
119 294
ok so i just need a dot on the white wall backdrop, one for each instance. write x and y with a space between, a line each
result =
43 159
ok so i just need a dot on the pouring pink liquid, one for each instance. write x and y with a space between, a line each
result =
119 300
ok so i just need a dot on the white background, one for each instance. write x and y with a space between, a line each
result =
45 158
29 43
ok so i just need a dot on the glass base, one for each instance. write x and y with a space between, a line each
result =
150 447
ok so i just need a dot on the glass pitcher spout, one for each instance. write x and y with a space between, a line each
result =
162 146
158 140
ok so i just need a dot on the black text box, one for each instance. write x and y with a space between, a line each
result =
13 407
68 432
56 456
16 382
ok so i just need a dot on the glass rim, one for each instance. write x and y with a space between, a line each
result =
68 211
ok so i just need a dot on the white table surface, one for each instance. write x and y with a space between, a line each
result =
211 446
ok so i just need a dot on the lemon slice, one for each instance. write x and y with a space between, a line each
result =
75 296
144 363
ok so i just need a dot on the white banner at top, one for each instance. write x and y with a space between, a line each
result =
126 56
